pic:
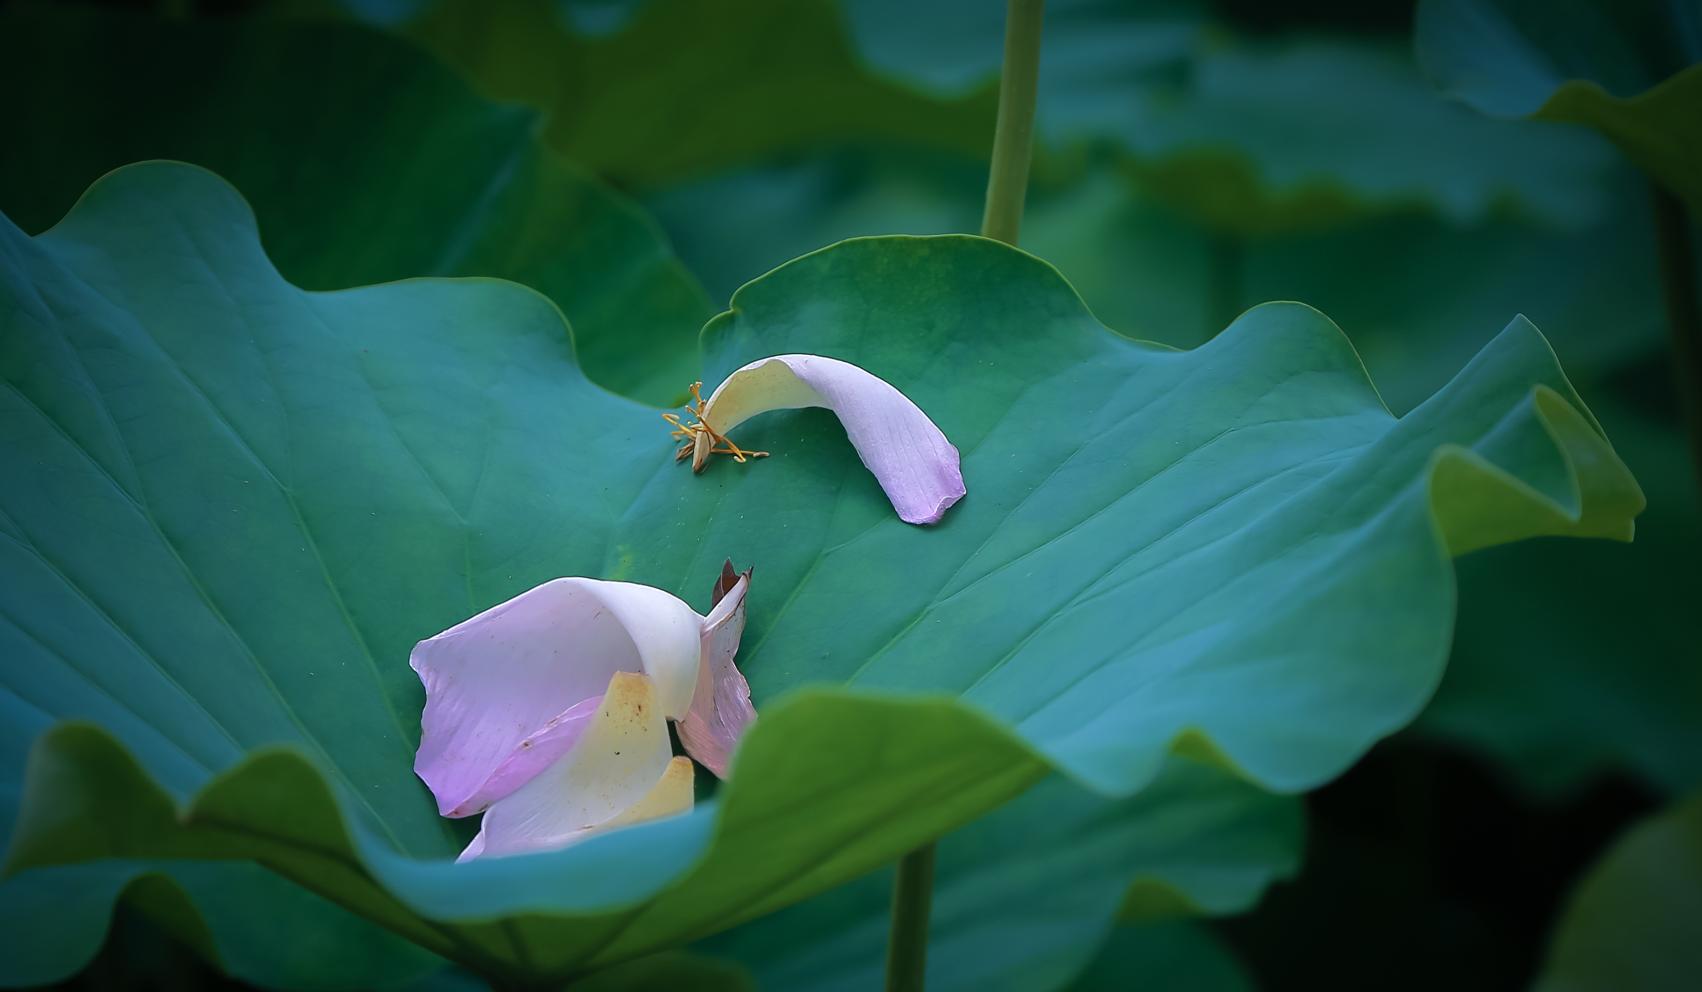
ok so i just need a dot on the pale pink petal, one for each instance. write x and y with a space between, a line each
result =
721 708
908 455
537 751
622 771
507 691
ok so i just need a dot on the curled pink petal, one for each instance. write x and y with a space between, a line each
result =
510 691
721 707
914 463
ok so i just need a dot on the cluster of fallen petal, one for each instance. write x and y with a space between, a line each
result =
549 713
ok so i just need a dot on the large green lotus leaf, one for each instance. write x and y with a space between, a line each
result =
1635 921
1252 138
232 506
366 161
1568 663
1024 897
1414 286
1629 70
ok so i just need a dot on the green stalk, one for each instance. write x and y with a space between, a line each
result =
1684 312
1013 138
1007 185
912 897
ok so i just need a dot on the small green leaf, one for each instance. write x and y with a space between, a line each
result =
1628 70
1635 921
230 507
376 166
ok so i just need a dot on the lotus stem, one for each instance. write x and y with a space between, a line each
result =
1007 187
912 897
1013 137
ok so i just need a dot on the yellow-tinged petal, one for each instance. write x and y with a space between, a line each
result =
621 770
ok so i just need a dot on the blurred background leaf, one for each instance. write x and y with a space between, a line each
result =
1252 137
1570 665
679 88
1635 920
1627 69
365 160
1177 956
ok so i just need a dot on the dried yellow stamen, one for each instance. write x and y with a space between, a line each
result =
702 440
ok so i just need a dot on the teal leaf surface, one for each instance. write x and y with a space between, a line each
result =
231 506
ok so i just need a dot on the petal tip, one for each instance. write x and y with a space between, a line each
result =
938 513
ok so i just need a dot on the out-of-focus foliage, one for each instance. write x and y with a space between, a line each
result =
1628 69
1569 663
1612 679
680 88
365 160
354 468
1176 956
1025 897
246 921
1635 920
1252 136
1406 285
1249 137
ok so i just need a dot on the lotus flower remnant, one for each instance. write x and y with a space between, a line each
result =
914 463
548 713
